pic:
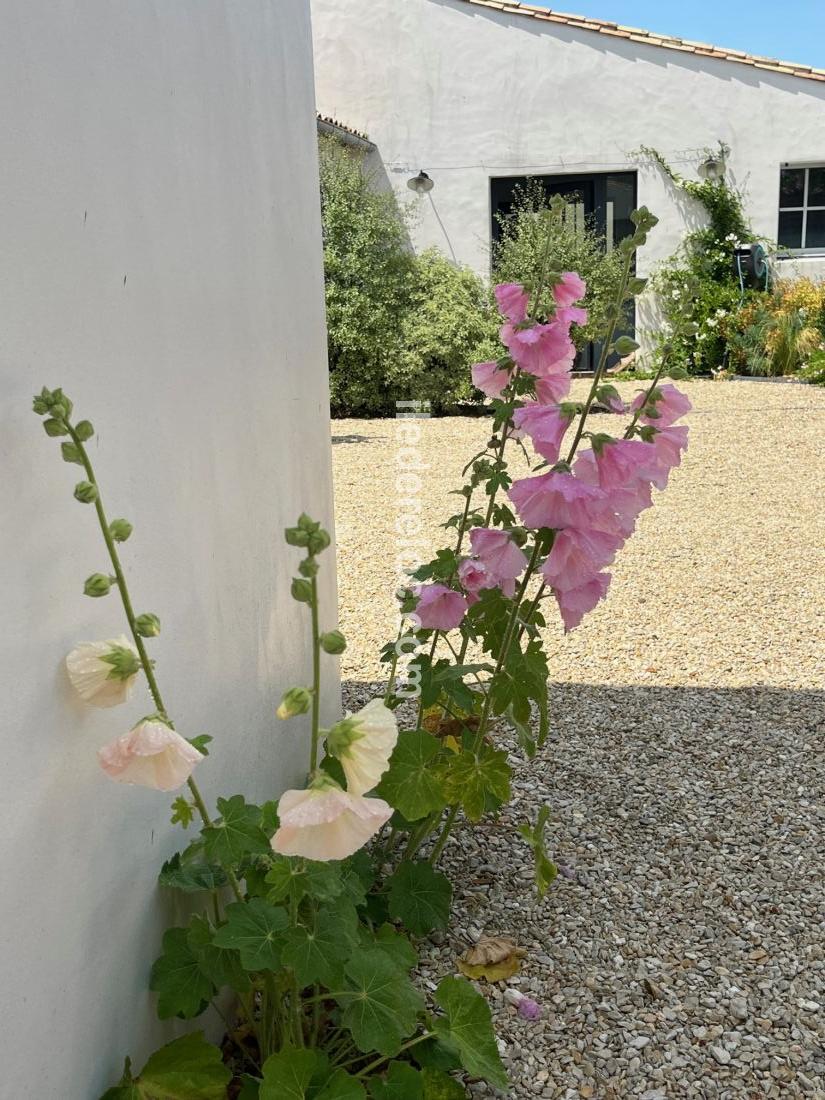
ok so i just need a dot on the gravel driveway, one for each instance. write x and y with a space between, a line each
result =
680 952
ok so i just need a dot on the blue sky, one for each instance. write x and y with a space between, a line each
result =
793 30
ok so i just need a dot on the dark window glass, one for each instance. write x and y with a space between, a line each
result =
816 187
791 187
790 229
621 191
815 231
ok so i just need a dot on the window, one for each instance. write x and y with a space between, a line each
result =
802 207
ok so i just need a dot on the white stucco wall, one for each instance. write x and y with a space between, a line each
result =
161 260
468 93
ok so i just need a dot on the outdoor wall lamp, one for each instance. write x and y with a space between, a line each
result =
712 168
421 183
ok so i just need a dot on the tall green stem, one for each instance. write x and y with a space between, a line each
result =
316 679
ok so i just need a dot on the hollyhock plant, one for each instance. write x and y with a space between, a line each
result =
570 288
539 349
501 558
325 822
553 388
152 755
577 556
669 443
439 607
490 378
473 577
546 425
104 673
363 743
574 603
556 500
662 406
512 300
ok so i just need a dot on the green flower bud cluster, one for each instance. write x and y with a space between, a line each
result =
98 584
147 625
295 701
308 534
85 492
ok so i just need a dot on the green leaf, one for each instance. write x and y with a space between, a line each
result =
237 833
255 928
182 987
189 871
546 870
188 1068
287 1074
183 812
250 1088
318 948
341 1087
420 897
395 946
380 1006
439 1086
411 784
294 877
472 776
222 965
467 1028
402 1083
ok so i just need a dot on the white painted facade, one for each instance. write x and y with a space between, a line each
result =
161 260
468 93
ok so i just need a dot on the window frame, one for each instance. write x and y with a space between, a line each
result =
804 209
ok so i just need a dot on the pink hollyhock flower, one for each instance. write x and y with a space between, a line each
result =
571 315
473 576
439 607
668 444
150 755
501 558
670 404
557 500
363 743
578 555
512 300
624 462
626 504
325 822
539 349
546 425
572 288
490 378
553 388
525 1006
574 603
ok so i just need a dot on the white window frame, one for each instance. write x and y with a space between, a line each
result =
804 208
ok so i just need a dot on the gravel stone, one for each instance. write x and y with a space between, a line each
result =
684 772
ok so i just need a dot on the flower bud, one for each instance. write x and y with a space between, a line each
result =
124 661
147 625
309 567
120 529
333 642
55 427
295 701
301 590
84 430
71 453
97 585
85 492
319 540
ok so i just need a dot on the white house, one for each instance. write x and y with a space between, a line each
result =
161 260
480 94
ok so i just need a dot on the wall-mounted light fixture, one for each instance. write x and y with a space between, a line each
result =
421 183
712 167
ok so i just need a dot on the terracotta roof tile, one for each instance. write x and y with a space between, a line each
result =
650 38
333 124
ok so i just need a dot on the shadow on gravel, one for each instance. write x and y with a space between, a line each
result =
680 948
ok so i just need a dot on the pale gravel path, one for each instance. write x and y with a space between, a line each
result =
682 953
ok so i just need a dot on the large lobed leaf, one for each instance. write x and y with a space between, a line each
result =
411 785
420 897
188 1068
467 1028
379 1004
255 929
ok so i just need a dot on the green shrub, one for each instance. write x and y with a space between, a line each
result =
450 324
814 371
520 255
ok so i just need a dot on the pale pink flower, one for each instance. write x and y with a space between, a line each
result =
557 500
571 289
578 555
614 403
150 755
501 558
553 388
626 504
625 461
512 300
669 443
473 576
363 743
539 349
325 822
104 673
574 603
439 607
670 404
490 378
546 425
571 315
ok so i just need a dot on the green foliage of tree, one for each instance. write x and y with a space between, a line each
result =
532 231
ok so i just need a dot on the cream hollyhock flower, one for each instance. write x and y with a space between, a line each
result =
103 673
363 743
325 822
150 755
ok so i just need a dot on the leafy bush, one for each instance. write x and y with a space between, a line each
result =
449 324
777 334
533 230
814 372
